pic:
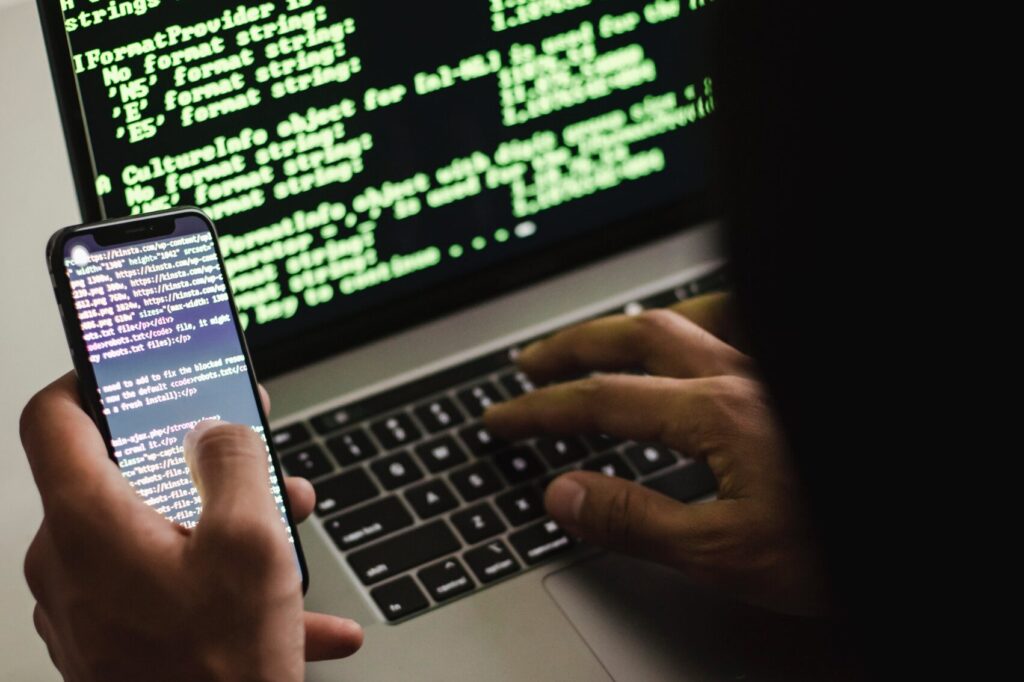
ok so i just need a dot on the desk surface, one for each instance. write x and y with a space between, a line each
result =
36 197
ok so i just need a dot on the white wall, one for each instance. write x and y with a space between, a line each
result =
36 197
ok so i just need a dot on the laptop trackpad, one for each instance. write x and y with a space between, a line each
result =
643 622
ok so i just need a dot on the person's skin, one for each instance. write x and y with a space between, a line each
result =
702 399
124 594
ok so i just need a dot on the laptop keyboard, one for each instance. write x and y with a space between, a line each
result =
426 505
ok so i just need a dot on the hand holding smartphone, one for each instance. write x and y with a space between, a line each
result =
158 348
123 594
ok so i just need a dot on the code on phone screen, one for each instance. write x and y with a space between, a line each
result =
158 328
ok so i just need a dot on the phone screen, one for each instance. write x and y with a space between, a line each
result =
166 352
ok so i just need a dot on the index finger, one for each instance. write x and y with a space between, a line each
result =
670 411
714 313
65 449
662 342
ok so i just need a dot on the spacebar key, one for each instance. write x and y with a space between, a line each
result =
391 557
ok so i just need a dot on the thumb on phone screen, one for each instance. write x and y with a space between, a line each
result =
228 463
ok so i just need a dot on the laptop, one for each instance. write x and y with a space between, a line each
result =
407 193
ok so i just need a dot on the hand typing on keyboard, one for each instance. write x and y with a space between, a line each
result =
125 595
700 397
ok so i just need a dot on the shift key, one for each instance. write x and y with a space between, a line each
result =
391 557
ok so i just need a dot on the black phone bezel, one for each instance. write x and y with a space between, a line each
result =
128 230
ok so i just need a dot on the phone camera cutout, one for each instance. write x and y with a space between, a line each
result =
80 256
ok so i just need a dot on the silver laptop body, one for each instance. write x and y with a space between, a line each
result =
586 614
566 612
518 628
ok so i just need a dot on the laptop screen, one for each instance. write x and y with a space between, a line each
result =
358 158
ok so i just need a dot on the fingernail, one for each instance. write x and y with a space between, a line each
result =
528 353
494 409
352 625
189 442
565 499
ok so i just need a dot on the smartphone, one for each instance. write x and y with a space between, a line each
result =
158 347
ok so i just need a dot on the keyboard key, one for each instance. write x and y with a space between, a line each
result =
402 552
717 280
343 491
431 499
477 523
686 484
560 452
476 481
520 506
439 415
516 384
400 598
662 300
406 394
441 454
610 465
477 399
519 464
395 431
688 290
396 471
650 458
291 436
492 561
538 542
446 579
682 292
632 308
543 482
480 441
333 420
368 523
308 462
599 442
352 447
